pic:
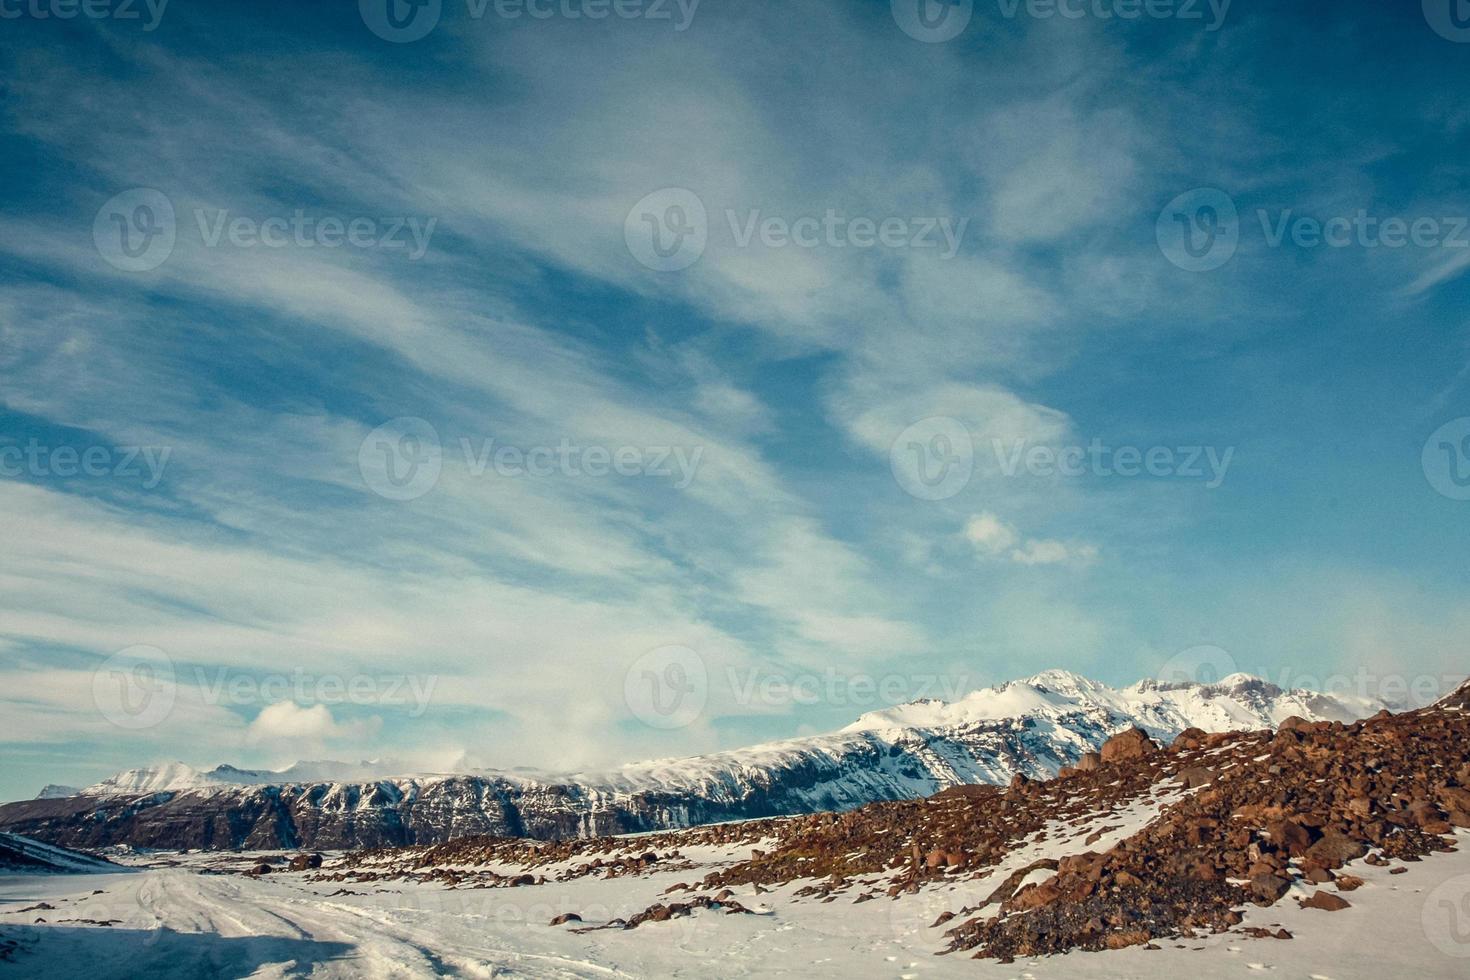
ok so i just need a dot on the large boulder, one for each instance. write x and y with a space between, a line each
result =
1335 849
1326 902
1190 738
1133 743
306 862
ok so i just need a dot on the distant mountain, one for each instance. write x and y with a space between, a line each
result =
55 791
1033 726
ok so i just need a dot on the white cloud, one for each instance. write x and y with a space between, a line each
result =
1048 552
989 534
287 720
993 538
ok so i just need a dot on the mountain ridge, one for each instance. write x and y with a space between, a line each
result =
1033 726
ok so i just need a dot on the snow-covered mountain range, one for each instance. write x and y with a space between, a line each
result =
1033 726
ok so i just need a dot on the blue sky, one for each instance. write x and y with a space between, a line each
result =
801 382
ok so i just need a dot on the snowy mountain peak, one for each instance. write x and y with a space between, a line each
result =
171 777
1061 681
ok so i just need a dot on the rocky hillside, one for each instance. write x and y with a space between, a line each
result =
1034 727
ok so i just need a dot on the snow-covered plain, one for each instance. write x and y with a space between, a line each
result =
181 921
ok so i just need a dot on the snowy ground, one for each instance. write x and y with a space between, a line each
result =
181 922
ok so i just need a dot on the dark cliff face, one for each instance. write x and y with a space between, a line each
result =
424 811
335 816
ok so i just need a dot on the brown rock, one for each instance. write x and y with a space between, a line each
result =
1316 874
1292 836
1133 743
1335 849
1190 738
566 917
1035 896
306 862
1268 888
1326 902
1196 776
1456 801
